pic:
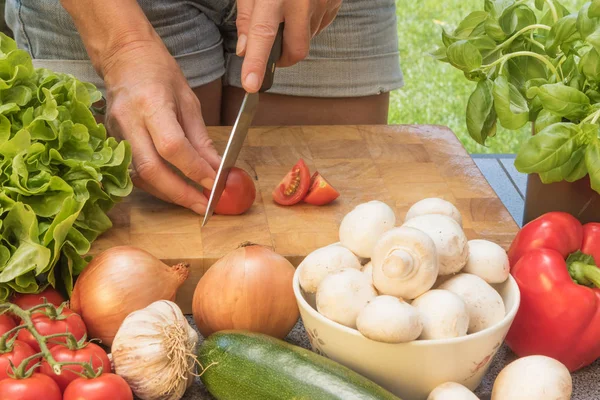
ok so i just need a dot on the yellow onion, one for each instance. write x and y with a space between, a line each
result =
250 288
117 282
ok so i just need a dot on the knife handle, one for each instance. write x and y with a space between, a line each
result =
273 58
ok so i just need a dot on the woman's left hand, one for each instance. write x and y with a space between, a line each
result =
257 24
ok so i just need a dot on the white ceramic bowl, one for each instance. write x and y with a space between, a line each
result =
409 370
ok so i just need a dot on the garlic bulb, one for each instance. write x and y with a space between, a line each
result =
154 351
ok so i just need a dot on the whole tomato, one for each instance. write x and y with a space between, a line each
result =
17 352
88 352
6 324
35 387
26 301
67 321
238 195
106 386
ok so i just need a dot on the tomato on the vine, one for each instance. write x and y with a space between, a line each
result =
16 353
66 322
294 186
106 386
321 192
28 300
6 323
239 193
35 387
61 353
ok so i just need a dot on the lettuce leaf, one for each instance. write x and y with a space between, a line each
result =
59 174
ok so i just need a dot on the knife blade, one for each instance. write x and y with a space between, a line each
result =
241 126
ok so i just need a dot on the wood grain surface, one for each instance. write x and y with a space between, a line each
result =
399 165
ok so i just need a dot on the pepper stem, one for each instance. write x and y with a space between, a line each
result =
585 274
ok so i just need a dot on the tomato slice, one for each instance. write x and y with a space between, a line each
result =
321 192
294 186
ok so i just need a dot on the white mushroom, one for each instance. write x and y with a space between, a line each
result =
531 378
343 294
405 263
484 304
368 270
362 226
434 205
450 240
488 261
443 313
390 320
451 391
322 262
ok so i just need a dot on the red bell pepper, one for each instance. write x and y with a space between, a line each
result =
552 261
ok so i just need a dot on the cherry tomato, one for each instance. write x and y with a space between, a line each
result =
294 186
68 321
106 386
61 353
238 195
26 301
36 387
321 192
6 324
16 353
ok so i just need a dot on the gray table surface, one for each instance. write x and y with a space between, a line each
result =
510 188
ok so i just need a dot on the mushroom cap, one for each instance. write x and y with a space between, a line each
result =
451 391
343 294
361 227
484 303
533 377
322 262
488 260
443 313
389 319
434 205
449 238
405 263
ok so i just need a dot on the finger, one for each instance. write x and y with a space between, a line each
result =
143 185
196 132
264 24
328 18
172 145
242 22
151 169
315 22
297 34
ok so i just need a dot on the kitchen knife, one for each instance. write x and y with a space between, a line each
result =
241 125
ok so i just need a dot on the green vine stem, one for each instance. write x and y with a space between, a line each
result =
523 54
27 323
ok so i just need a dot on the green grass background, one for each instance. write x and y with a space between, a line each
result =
435 92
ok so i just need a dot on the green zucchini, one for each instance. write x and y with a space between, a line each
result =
254 366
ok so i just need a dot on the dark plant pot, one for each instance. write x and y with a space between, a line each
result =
576 198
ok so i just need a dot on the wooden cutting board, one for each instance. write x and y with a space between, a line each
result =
399 165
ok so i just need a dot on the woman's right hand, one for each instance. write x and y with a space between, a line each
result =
150 104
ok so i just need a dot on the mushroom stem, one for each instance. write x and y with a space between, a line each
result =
398 264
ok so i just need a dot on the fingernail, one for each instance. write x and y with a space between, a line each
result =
207 183
199 208
241 44
252 81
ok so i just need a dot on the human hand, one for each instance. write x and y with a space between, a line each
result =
151 105
257 24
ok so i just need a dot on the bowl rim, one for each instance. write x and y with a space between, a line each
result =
508 317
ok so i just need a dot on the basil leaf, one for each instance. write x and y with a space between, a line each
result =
594 9
523 69
545 118
494 30
590 65
562 31
572 168
586 25
550 148
463 55
562 100
497 7
594 95
516 17
481 116
592 162
510 105
471 25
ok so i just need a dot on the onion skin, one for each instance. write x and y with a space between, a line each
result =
250 288
117 282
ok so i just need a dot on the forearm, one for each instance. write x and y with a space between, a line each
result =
110 27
